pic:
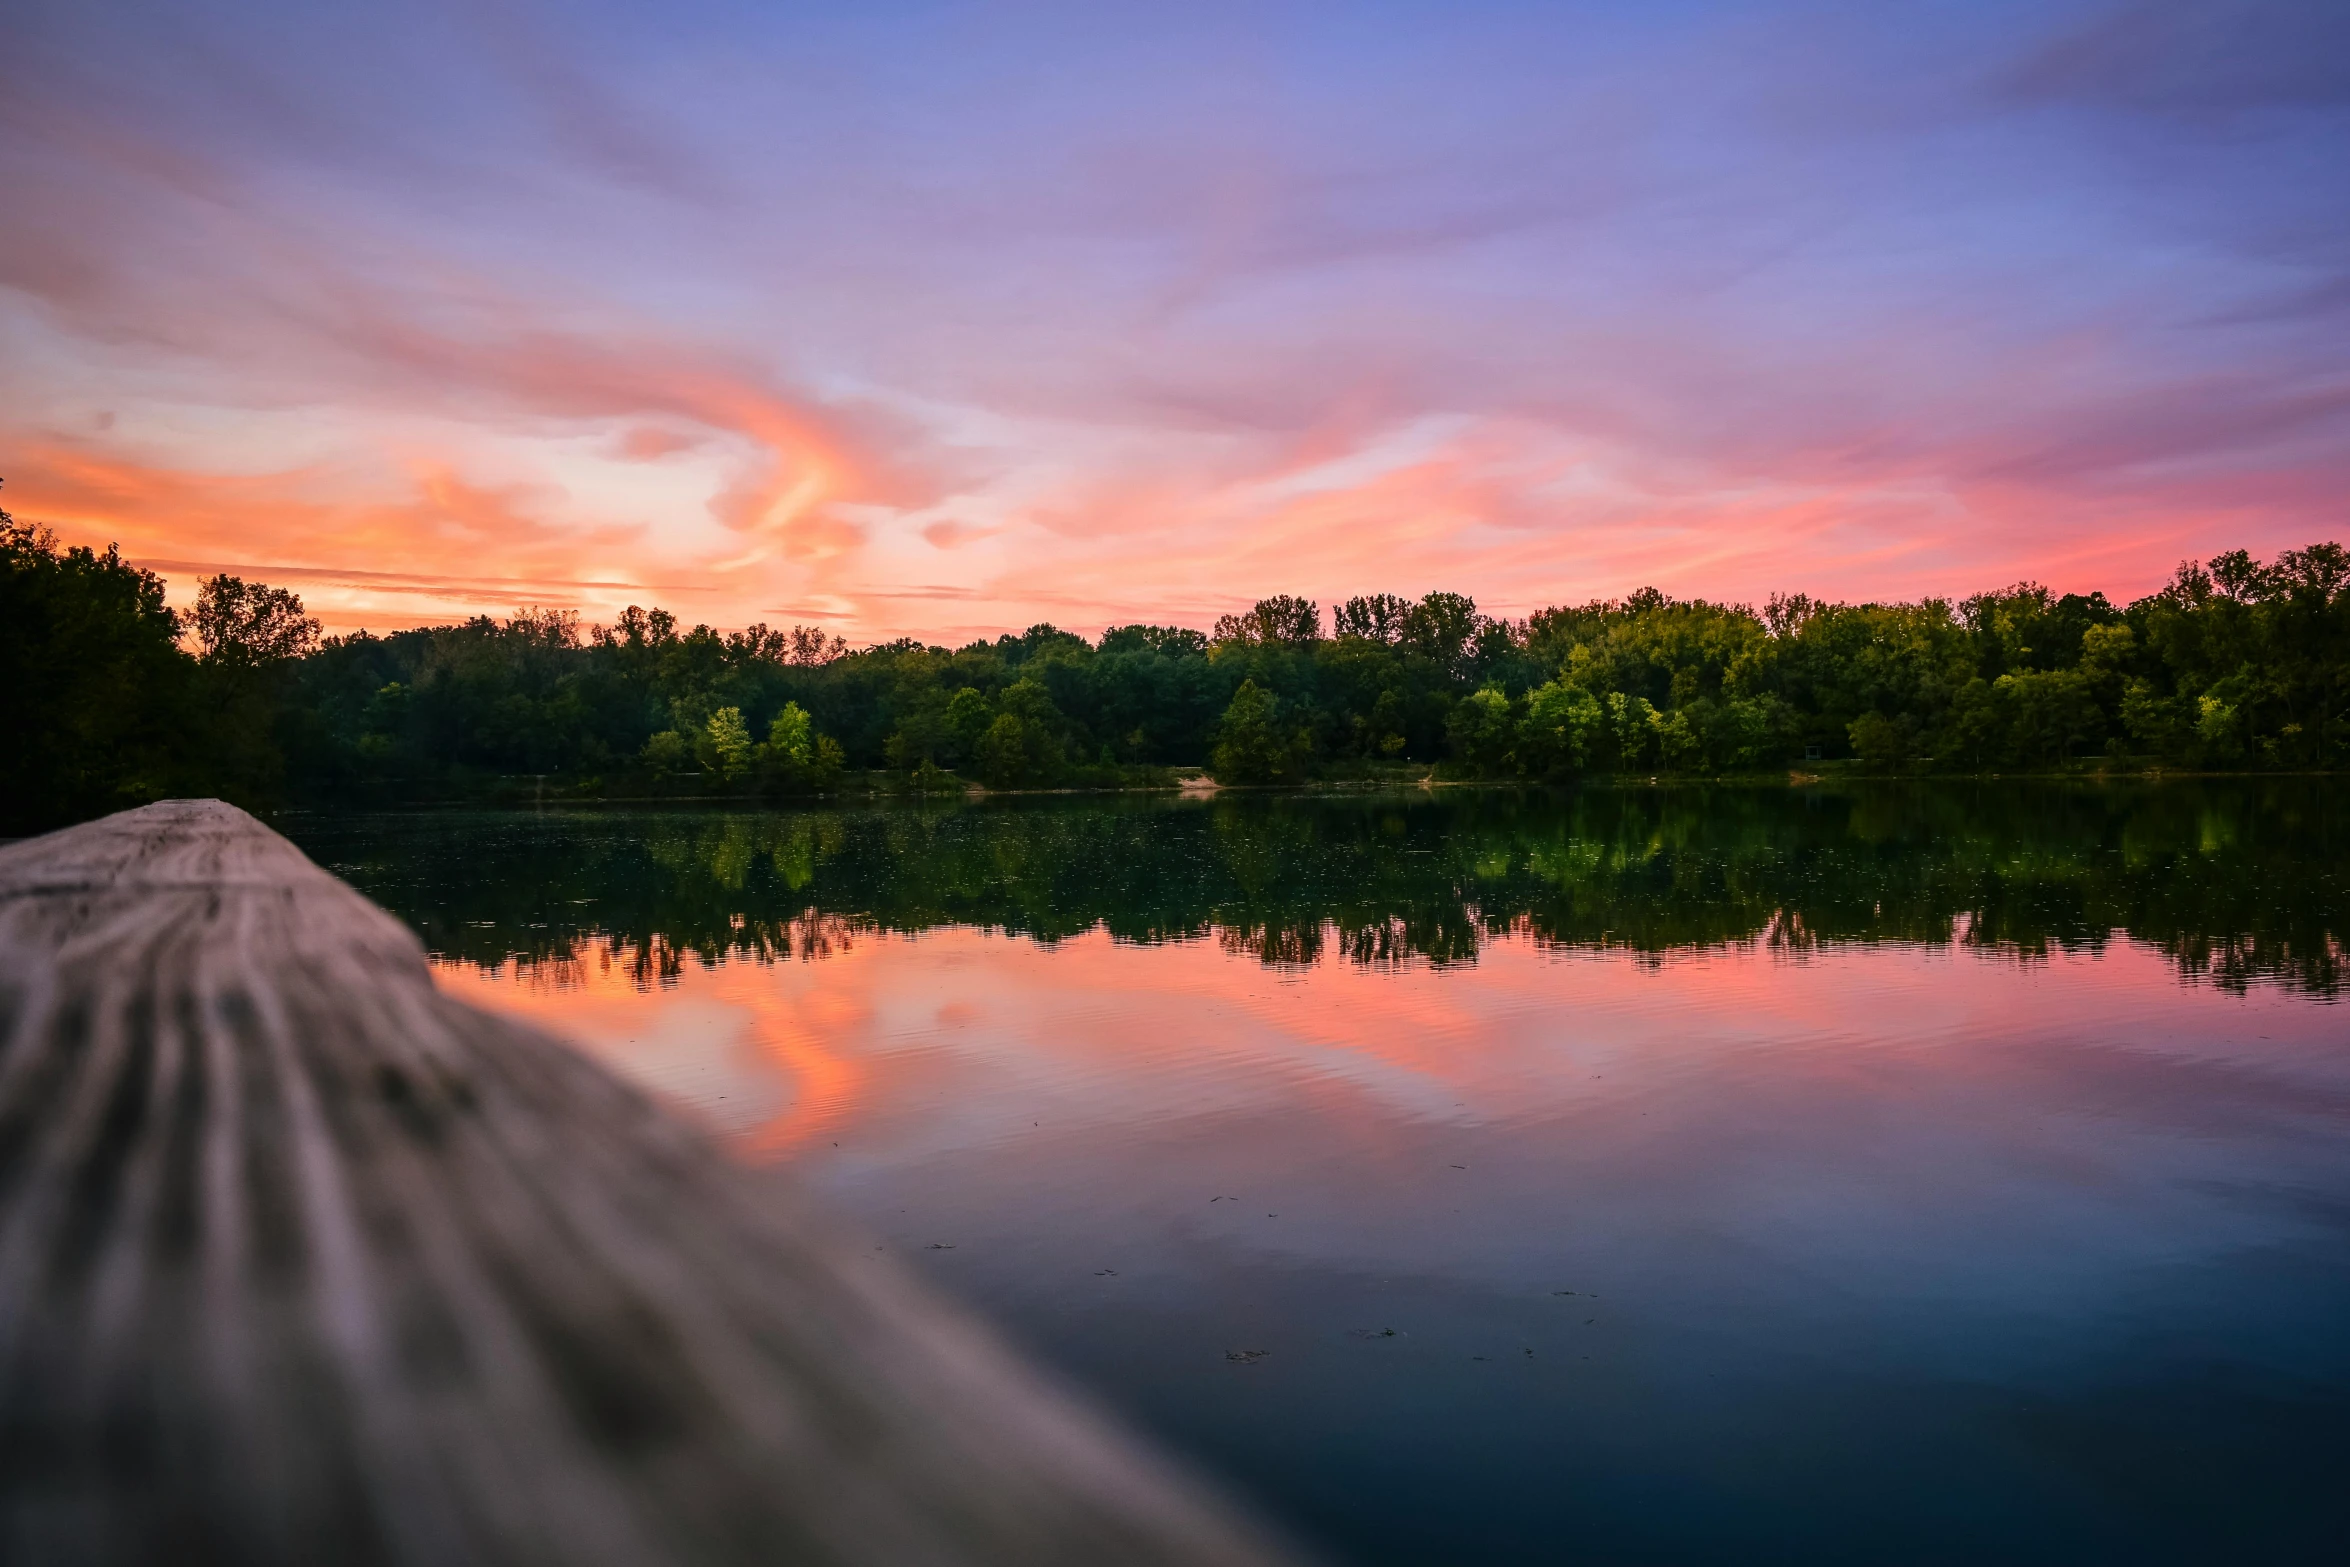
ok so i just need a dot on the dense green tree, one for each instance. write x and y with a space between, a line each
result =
1022 747
1174 641
2235 664
796 759
100 700
1561 731
249 624
1274 621
1376 617
725 745
1254 744
1483 732
251 638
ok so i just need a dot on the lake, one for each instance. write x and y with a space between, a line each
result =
1946 1172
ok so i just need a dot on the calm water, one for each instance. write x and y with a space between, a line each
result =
1932 1174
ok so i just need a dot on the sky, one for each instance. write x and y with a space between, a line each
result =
942 320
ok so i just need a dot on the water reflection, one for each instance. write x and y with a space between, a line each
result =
2235 882
1695 1176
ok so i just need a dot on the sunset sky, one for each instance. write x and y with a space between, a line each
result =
943 319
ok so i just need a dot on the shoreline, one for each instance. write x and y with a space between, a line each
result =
1203 787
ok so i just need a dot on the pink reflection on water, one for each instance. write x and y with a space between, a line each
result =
911 1045
1533 1236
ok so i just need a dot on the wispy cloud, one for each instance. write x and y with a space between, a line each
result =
945 328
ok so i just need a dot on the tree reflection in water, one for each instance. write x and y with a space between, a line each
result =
2236 881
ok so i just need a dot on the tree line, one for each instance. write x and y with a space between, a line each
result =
2235 664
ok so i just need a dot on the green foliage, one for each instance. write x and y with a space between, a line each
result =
1884 743
239 622
102 706
1273 622
1563 727
2050 712
1021 747
725 746
1015 753
967 717
797 759
1440 627
1631 726
791 739
930 778
1174 641
1483 732
1377 617
2235 664
1253 743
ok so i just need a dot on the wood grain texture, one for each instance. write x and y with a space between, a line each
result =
303 1262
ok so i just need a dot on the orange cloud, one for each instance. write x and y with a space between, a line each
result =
648 443
290 528
555 334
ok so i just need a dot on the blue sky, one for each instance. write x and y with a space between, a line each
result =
945 319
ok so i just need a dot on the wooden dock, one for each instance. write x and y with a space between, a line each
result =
303 1262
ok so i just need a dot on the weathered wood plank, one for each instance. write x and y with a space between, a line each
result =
302 1261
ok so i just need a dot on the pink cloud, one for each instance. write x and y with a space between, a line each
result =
1159 375
649 443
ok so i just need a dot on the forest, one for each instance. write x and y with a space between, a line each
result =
2236 664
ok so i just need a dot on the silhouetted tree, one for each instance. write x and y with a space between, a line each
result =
249 624
2236 663
1280 620
97 692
